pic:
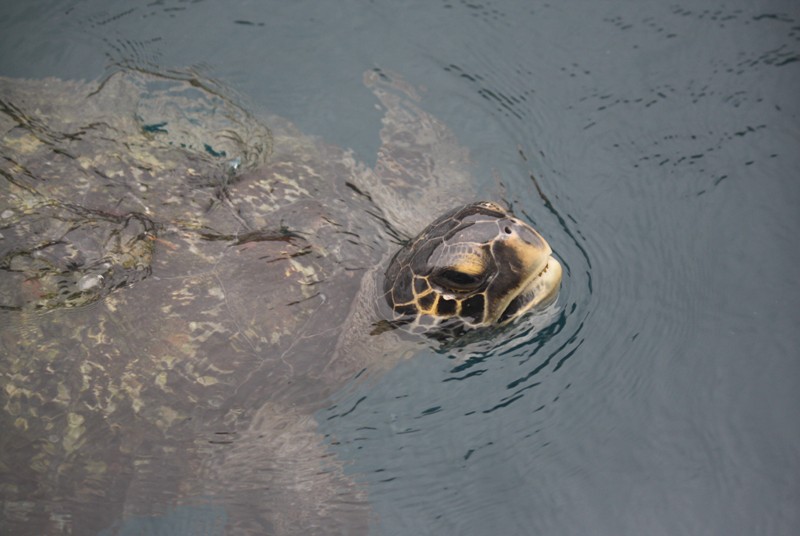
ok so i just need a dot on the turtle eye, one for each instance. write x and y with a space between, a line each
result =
457 280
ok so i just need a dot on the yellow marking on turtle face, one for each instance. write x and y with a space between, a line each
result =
423 278
472 265
430 310
534 255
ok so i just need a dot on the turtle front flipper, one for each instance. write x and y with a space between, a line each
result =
280 477
420 168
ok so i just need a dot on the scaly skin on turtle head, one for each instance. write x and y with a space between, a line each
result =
476 266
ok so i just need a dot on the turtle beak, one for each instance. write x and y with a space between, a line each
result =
540 291
532 272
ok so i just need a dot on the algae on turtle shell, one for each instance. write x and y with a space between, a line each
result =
176 271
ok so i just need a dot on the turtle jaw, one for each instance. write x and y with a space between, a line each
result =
540 289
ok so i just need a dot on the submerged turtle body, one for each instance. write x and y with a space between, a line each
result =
175 274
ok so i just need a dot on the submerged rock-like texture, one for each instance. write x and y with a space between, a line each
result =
182 287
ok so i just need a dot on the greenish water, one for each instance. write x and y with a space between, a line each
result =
654 145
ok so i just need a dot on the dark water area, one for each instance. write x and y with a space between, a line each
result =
654 145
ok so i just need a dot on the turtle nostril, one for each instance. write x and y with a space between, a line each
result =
507 229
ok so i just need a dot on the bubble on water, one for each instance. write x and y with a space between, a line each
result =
90 281
234 164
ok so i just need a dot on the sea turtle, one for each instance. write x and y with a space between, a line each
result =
183 287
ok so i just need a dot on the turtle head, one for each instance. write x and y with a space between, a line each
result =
475 266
